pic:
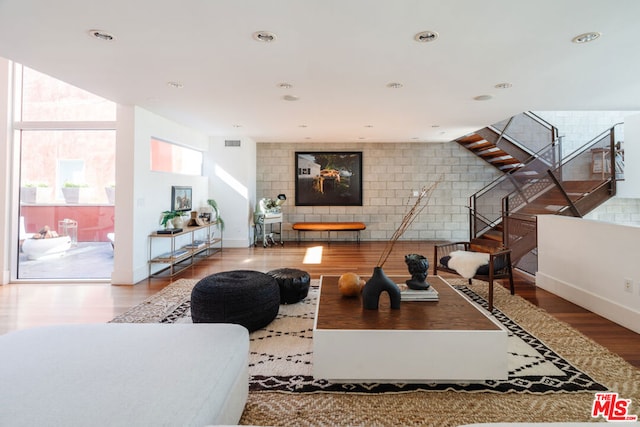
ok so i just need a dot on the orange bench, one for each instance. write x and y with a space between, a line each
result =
329 227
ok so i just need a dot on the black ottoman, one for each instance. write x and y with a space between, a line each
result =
243 297
294 284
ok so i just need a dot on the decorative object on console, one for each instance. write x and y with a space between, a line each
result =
178 221
195 220
181 198
218 220
166 219
379 282
418 266
350 285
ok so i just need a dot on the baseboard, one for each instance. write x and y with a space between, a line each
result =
236 243
604 307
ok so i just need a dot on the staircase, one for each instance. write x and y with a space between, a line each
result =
496 145
488 151
547 183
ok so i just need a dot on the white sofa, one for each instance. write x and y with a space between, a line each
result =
124 375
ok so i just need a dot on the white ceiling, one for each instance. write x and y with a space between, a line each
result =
339 56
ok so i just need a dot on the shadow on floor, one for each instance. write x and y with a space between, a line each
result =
87 260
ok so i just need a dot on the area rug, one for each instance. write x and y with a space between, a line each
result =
290 396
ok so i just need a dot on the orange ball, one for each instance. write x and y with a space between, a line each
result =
350 284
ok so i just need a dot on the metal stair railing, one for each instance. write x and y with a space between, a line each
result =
522 185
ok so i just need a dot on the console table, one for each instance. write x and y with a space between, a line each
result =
180 250
451 339
260 222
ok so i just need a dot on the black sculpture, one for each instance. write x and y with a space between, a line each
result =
419 268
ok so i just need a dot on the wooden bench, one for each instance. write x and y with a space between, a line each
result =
329 227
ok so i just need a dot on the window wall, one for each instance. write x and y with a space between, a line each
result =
66 142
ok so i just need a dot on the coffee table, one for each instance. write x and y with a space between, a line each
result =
452 340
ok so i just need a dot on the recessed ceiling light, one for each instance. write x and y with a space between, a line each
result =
426 36
586 37
483 97
394 85
285 85
504 85
175 85
102 35
290 98
264 36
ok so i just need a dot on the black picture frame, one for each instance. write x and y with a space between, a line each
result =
181 198
328 178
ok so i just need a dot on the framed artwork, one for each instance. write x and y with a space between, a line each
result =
181 198
328 178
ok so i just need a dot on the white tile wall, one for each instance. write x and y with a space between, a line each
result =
618 211
391 171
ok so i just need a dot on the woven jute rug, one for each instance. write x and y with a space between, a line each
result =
434 407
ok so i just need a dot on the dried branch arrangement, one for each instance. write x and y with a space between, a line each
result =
421 202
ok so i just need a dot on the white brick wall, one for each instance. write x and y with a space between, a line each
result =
579 127
391 171
618 211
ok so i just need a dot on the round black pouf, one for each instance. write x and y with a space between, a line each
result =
294 284
243 297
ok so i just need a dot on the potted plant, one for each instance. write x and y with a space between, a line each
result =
218 220
110 190
32 193
166 220
71 191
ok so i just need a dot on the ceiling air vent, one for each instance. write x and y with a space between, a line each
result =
232 143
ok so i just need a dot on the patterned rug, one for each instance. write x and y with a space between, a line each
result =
281 354
445 408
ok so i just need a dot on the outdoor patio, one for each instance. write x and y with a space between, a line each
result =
86 260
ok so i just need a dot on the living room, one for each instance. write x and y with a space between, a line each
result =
400 156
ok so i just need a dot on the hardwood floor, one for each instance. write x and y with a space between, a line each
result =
27 305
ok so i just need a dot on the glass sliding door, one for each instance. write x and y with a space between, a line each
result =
66 141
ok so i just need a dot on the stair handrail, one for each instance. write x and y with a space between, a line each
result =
536 155
555 174
543 122
502 134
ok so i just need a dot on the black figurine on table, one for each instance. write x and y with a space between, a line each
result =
419 268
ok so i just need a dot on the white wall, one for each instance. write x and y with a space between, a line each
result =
587 262
232 183
5 178
630 187
139 206
579 127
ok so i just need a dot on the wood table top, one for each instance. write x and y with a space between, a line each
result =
451 312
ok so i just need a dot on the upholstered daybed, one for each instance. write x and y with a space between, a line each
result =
124 375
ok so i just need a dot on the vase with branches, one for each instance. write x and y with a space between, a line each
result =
379 282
